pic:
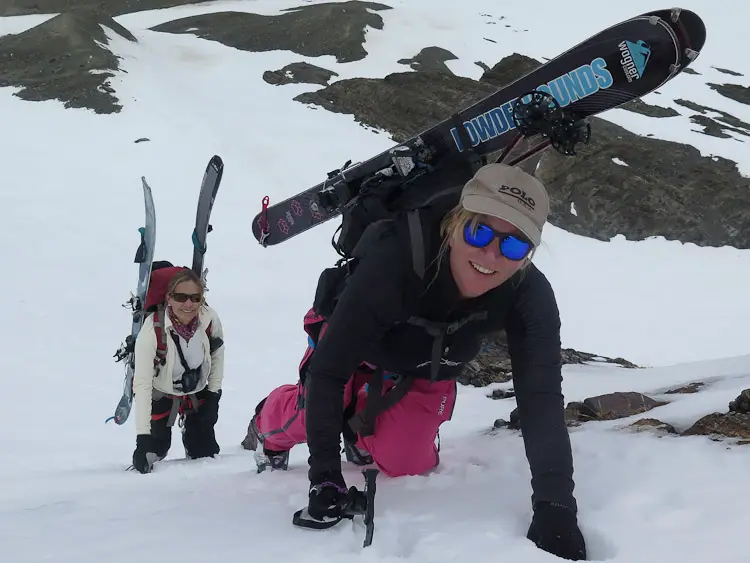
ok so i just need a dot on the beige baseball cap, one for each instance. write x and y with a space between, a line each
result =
510 194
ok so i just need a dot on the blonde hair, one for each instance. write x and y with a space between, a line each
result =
184 275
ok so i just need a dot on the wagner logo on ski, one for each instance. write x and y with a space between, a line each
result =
634 58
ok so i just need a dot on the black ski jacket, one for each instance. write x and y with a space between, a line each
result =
368 324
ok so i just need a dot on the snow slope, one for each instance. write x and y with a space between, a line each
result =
72 189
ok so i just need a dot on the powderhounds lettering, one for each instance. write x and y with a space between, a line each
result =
567 88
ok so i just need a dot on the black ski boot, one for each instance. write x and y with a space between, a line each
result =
264 458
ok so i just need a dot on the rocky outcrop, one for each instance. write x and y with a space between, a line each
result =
716 127
493 363
720 426
617 405
109 7
63 59
297 73
336 29
733 425
652 425
734 92
430 59
689 388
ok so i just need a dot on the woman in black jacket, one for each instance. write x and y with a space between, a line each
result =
409 336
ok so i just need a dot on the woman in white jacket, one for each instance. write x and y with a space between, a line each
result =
179 368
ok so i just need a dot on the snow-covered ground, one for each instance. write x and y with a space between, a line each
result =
72 199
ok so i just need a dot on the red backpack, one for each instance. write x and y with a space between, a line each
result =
156 296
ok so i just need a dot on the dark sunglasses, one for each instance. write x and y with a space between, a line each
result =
182 297
512 246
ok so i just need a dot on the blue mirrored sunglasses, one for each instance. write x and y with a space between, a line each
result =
512 246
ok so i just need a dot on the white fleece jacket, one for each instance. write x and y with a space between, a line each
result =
144 379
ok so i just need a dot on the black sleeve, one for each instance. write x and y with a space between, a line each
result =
533 333
372 301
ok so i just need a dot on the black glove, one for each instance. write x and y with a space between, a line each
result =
144 455
326 493
554 529
211 406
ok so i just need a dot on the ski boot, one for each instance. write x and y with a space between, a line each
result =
264 458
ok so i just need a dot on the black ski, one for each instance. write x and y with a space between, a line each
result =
619 64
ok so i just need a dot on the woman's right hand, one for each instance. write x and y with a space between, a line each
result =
144 456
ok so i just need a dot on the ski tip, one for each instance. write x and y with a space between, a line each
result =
216 162
110 418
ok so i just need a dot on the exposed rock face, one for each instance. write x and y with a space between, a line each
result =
493 363
296 73
718 426
733 425
61 59
401 103
617 405
742 403
431 59
689 388
109 7
652 424
336 29
716 127
611 406
734 92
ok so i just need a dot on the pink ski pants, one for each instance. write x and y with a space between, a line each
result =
403 441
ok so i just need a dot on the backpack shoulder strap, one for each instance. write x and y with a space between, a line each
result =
416 238
161 338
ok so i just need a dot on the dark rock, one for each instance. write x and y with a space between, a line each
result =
734 92
573 416
55 60
639 106
727 71
501 423
336 29
509 69
502 394
689 388
492 365
109 7
662 191
617 405
652 424
481 65
296 73
573 413
401 103
742 403
142 140
689 70
430 59
712 127
718 425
